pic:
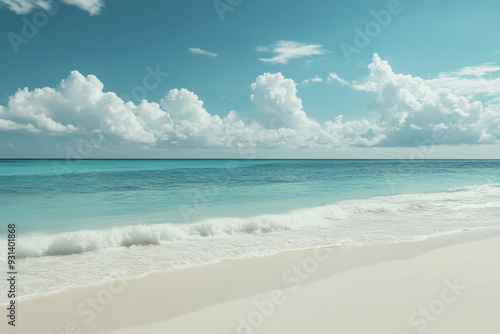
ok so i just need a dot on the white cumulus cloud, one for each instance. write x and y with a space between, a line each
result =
407 111
79 105
471 81
414 111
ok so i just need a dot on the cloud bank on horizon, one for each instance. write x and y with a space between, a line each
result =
453 108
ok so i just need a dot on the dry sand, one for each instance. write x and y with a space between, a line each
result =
442 285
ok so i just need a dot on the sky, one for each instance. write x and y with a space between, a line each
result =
408 79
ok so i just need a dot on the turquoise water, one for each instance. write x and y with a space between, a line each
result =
52 196
89 220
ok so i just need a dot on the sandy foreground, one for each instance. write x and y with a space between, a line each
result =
448 284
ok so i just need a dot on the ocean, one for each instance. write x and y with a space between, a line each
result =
85 222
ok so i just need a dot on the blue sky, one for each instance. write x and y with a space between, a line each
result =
426 58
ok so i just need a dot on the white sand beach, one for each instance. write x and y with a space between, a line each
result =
442 285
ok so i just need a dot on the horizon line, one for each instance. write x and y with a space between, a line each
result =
249 159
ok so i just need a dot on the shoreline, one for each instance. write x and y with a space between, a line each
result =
455 289
428 242
161 298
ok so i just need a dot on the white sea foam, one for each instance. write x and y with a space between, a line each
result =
440 205
92 256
